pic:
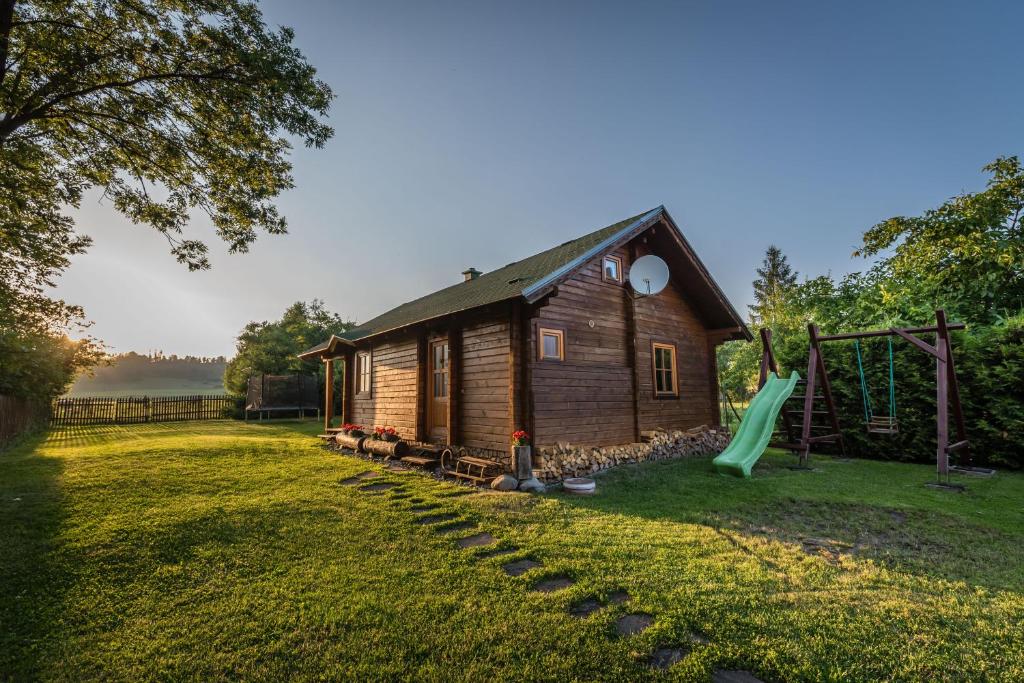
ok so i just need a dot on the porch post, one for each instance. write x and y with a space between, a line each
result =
328 392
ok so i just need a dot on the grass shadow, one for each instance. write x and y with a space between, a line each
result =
35 569
842 510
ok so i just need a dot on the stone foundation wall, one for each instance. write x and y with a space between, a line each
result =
554 463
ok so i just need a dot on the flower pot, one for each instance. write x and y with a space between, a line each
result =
522 462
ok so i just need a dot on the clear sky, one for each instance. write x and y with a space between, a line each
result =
476 133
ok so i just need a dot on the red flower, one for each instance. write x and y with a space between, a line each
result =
520 438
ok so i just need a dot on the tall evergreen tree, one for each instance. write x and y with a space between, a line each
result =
775 278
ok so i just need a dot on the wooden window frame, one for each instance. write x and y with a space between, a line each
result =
555 332
618 269
364 393
674 393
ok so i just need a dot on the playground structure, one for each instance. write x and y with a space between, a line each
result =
818 422
271 394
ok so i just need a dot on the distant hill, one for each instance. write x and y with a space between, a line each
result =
133 374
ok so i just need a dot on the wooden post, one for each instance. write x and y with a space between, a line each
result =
454 383
631 346
348 380
941 396
422 368
826 388
515 332
954 394
328 392
768 362
805 428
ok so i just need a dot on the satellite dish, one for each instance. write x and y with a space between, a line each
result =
648 275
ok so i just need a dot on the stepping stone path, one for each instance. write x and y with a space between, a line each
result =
383 486
627 625
434 519
554 584
664 657
452 528
721 676
476 540
631 624
519 567
584 609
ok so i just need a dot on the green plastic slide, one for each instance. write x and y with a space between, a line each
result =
756 427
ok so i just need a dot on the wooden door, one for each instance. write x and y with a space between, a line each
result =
437 391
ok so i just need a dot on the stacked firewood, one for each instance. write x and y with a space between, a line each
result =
565 460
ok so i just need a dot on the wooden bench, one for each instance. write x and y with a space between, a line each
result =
476 470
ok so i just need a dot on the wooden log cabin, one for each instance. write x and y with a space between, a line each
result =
557 344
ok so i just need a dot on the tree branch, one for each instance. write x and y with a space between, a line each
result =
6 23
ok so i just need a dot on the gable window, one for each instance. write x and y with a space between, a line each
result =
551 344
612 269
666 383
363 373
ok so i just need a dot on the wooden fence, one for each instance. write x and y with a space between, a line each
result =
18 415
134 409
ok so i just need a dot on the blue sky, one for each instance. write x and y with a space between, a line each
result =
476 133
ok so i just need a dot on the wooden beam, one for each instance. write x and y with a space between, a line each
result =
422 369
887 333
348 386
454 383
921 344
826 386
328 393
942 398
631 346
954 397
515 378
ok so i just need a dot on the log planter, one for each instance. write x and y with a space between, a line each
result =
354 443
387 449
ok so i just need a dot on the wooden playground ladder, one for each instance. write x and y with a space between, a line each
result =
799 436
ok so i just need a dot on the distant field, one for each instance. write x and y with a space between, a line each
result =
160 386
151 391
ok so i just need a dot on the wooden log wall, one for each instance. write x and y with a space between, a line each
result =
392 401
485 373
587 399
668 317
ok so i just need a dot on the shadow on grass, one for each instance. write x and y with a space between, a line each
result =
34 569
836 514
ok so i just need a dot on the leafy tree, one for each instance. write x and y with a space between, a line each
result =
775 278
168 106
273 347
967 255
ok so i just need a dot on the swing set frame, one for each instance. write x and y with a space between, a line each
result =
802 436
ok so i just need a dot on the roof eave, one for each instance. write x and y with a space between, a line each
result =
706 274
317 352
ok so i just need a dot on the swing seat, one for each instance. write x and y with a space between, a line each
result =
880 424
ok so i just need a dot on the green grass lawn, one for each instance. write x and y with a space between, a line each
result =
227 551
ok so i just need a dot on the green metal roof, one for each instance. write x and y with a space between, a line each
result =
502 284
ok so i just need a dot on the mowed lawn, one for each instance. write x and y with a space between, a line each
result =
231 551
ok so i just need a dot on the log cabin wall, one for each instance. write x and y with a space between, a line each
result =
587 398
392 401
485 378
669 318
